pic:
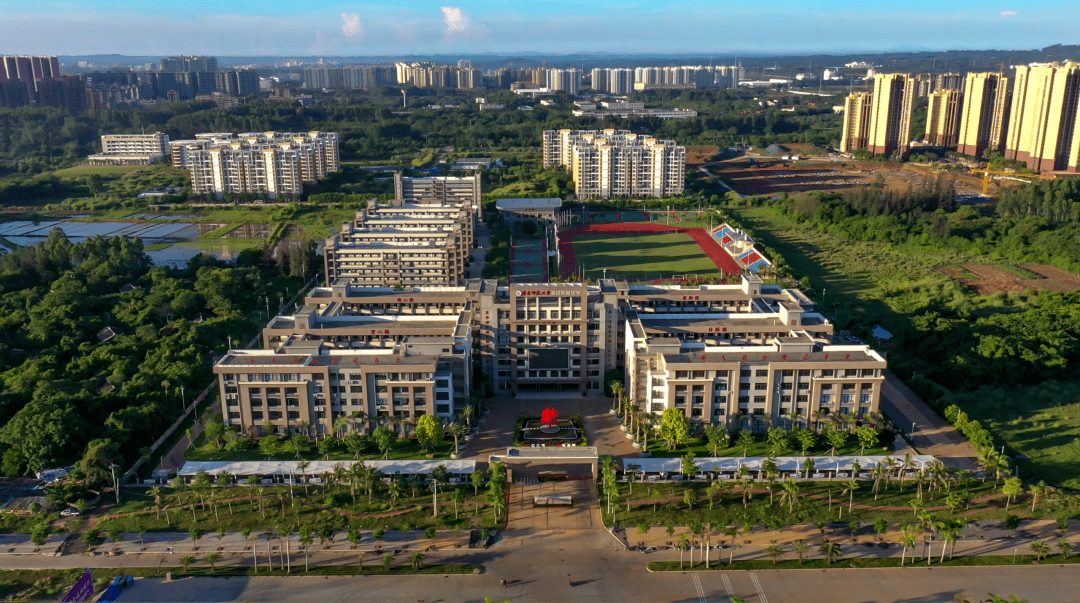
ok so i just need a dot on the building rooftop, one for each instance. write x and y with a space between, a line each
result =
529 203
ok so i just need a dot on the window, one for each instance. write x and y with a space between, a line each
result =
356 389
826 398
864 398
256 415
761 386
804 372
759 399
762 372
744 373
787 373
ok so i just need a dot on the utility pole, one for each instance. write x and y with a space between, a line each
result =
116 484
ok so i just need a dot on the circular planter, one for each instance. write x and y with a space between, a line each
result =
646 454
624 427
637 444
629 436
455 456
611 412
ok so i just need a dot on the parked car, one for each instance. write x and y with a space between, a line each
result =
70 512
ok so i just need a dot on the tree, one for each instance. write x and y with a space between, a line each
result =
477 479
1040 548
775 551
212 559
388 561
716 488
417 559
867 437
1065 547
831 550
40 533
689 497
1011 488
306 541
456 430
384 439
790 493
674 427
195 534
746 439
429 431
850 487
836 438
777 439
718 438
801 548
186 562
1036 490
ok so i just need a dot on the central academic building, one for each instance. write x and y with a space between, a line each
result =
749 353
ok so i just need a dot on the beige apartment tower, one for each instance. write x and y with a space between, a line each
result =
890 114
614 163
984 113
856 132
943 118
1043 128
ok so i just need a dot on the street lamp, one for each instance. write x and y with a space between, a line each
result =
183 400
913 428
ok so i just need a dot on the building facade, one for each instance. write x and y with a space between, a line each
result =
985 113
270 163
748 355
943 118
441 190
856 133
405 245
890 114
1043 130
609 163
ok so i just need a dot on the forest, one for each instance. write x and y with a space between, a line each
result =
70 392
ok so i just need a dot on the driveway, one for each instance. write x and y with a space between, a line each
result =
932 434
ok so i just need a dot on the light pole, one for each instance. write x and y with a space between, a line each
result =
913 428
267 298
183 400
605 273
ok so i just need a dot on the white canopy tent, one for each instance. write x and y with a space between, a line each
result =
291 469
785 464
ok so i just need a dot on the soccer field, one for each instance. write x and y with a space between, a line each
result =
642 256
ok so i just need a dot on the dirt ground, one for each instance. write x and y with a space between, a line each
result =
987 279
699 155
773 178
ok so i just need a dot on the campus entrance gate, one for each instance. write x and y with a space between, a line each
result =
553 461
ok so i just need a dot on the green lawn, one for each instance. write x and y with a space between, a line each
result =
403 450
863 283
284 506
700 448
728 510
1038 423
642 256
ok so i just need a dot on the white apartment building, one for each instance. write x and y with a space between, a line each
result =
132 149
270 163
611 163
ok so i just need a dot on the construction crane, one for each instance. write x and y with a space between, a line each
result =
986 172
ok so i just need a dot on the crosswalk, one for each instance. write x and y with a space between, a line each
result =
728 591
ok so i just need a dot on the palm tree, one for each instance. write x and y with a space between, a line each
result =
394 491
1041 549
456 430
789 492
831 551
716 488
684 544
850 488
801 548
907 539
212 559
1036 491
1011 488
306 541
358 416
186 561
388 561
195 534
303 465
467 414
775 551
417 560
1065 547
155 493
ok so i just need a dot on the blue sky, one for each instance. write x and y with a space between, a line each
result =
319 27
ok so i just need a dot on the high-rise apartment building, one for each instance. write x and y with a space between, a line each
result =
928 83
1043 130
985 113
943 118
26 80
890 114
564 80
182 63
270 163
609 163
856 131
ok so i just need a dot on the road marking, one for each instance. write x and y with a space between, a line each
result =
728 591
760 591
700 590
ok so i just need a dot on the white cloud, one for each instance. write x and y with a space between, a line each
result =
352 27
456 21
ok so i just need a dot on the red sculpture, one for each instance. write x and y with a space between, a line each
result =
550 416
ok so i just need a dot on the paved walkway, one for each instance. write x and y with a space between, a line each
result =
932 434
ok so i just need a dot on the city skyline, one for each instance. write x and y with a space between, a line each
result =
482 26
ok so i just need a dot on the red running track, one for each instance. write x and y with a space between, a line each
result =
707 242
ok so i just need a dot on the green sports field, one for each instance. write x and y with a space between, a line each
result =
642 256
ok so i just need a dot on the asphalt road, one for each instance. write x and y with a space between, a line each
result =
600 578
